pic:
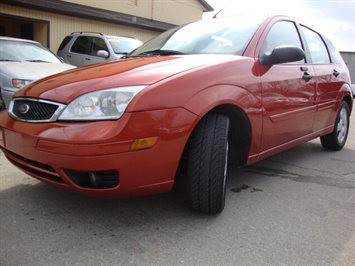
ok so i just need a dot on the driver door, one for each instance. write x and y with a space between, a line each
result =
288 91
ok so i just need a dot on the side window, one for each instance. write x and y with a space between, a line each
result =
96 45
317 48
283 33
335 55
81 45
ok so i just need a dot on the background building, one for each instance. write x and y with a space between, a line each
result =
49 21
349 58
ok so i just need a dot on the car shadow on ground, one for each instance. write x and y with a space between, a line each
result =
43 201
122 229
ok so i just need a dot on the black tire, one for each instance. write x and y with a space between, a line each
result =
335 141
207 164
2 104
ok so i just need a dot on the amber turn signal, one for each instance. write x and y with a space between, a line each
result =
143 144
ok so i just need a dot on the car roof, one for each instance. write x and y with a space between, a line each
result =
89 33
17 39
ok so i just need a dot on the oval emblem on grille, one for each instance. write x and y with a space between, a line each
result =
24 108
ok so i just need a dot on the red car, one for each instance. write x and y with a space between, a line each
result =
210 93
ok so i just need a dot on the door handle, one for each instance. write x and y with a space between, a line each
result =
336 73
88 58
69 55
307 76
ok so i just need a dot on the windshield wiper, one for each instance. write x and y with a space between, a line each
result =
160 52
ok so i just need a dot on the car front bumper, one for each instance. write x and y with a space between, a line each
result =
6 95
68 155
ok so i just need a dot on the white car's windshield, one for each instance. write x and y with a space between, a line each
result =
213 36
25 51
123 45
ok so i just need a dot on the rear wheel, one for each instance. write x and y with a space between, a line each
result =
207 164
336 140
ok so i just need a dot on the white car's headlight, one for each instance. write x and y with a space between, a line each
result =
19 83
106 104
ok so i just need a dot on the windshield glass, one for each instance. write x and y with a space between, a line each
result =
213 36
123 45
25 51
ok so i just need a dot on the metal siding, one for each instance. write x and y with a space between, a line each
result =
170 11
349 59
60 25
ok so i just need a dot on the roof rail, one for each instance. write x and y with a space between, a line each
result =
81 32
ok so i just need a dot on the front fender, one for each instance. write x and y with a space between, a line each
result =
247 101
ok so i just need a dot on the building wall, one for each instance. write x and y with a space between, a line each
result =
349 59
60 26
172 11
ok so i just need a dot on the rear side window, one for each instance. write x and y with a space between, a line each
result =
65 42
283 33
317 48
335 55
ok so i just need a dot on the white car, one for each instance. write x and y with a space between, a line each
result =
23 61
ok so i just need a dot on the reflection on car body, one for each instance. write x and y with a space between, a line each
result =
211 93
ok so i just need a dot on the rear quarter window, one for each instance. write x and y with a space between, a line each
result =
65 42
334 54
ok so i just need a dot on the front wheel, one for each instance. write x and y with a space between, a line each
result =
335 141
207 164
2 104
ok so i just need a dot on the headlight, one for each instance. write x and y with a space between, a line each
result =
19 83
106 104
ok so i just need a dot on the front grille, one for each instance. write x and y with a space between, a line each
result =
35 110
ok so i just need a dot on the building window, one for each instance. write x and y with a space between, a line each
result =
133 2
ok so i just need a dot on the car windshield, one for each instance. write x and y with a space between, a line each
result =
213 36
25 51
123 45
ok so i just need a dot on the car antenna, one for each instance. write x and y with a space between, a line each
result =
215 16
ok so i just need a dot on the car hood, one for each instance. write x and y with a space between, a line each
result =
64 87
32 70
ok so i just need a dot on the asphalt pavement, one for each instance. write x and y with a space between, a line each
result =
295 208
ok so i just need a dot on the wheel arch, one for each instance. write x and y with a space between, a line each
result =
239 133
348 99
345 94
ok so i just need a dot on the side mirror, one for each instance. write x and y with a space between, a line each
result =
102 53
283 54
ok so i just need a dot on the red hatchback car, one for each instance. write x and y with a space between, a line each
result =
210 93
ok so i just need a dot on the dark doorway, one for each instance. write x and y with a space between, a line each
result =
26 28
26 31
2 31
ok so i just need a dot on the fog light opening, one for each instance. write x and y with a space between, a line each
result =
97 180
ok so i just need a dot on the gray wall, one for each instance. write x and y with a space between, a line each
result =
349 58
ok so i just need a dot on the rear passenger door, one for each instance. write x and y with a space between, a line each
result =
327 74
